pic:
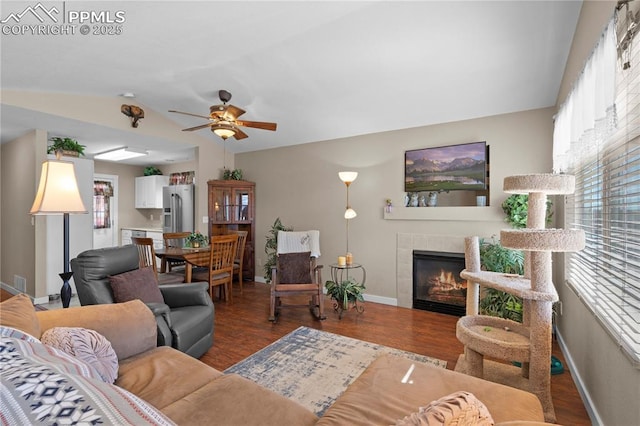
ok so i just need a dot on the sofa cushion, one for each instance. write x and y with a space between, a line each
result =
18 312
294 268
43 385
457 409
86 345
117 322
137 284
164 375
237 401
380 396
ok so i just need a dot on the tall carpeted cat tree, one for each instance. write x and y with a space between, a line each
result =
507 340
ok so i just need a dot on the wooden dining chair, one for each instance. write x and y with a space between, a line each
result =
147 258
239 259
219 271
173 239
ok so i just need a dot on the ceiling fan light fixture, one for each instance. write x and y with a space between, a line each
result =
120 154
224 130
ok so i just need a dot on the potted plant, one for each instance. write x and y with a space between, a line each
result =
66 146
271 247
348 292
497 258
235 174
152 171
196 239
516 207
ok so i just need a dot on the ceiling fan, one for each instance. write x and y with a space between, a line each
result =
223 119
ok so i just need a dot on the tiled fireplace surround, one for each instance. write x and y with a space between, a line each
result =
406 243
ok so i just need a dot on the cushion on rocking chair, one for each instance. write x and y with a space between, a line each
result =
294 268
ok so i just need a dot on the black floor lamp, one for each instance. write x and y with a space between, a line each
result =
58 194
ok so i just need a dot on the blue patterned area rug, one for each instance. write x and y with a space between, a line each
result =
314 367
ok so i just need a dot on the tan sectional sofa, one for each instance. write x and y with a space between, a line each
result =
189 392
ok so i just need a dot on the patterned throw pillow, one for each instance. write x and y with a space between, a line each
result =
42 385
86 345
293 268
457 409
137 284
16 334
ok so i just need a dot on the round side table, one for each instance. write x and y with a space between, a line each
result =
340 273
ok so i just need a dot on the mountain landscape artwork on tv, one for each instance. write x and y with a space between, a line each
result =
446 168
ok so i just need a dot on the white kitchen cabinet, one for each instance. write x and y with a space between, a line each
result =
125 236
149 191
158 241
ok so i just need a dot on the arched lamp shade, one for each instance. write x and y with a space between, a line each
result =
348 177
58 190
350 213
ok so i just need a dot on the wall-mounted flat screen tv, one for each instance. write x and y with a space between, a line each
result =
446 168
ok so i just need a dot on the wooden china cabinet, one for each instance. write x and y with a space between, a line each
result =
232 207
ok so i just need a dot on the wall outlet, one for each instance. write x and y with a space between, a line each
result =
205 219
20 283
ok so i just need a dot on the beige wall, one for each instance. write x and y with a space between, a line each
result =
21 166
300 185
609 382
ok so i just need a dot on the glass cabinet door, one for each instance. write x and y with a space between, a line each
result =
222 205
242 202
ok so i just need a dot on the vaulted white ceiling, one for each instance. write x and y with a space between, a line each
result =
321 70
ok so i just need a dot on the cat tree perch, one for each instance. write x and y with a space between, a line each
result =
507 340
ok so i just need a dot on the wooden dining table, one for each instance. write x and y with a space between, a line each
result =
191 256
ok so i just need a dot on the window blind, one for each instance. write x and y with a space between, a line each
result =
606 205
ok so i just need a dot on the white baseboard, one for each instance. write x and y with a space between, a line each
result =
9 288
367 297
381 299
584 394
14 291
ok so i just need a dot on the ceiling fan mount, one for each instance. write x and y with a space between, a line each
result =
223 119
224 96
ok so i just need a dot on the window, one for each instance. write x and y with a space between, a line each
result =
102 191
606 205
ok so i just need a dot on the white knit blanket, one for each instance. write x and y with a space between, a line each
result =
299 241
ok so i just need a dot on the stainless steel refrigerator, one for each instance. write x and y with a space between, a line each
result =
178 203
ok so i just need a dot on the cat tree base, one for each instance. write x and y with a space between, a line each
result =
510 375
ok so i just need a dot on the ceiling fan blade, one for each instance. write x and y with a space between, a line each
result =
233 112
239 134
202 126
188 113
257 124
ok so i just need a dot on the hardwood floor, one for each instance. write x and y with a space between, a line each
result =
242 328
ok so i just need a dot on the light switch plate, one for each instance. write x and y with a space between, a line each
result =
205 219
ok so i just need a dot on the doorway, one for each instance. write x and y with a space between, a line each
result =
105 211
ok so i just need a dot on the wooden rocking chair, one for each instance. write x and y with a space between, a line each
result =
296 273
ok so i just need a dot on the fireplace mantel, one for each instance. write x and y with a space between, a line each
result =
466 213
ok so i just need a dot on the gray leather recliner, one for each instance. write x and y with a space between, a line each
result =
185 320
